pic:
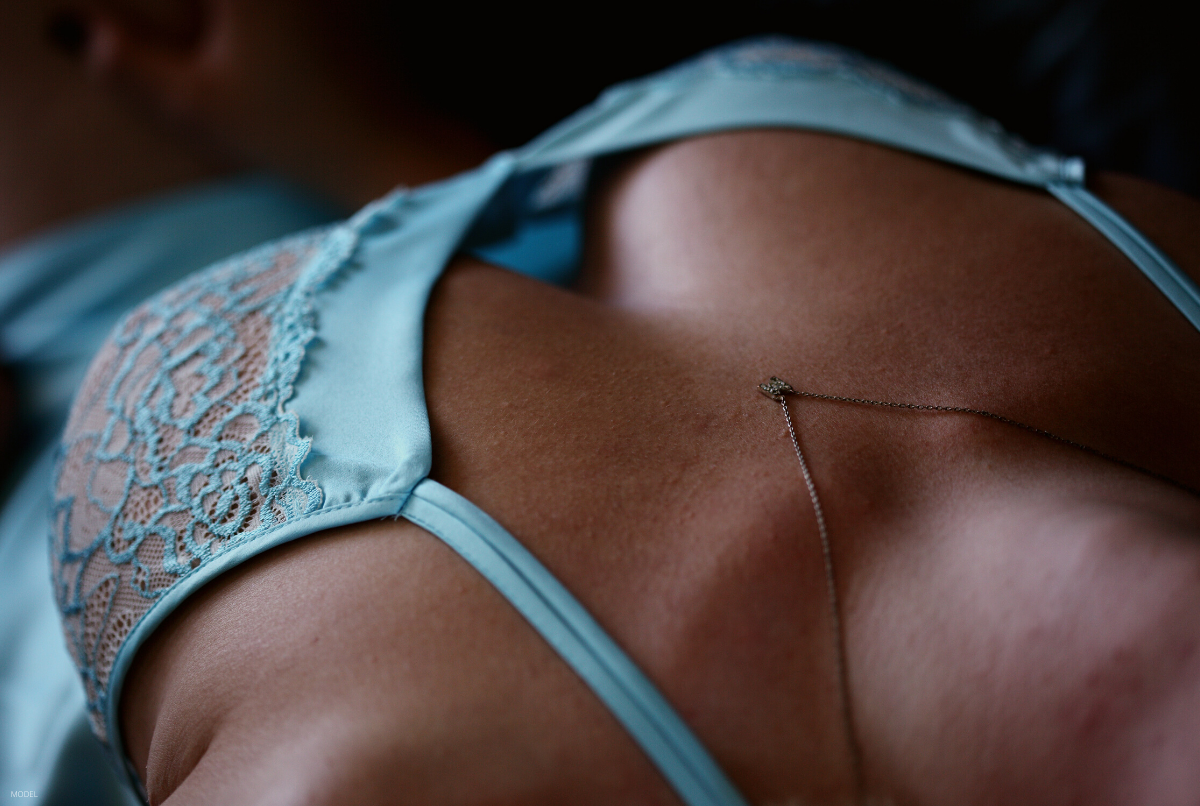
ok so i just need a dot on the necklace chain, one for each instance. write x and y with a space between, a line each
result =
778 390
835 610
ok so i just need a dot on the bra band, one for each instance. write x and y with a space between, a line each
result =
577 638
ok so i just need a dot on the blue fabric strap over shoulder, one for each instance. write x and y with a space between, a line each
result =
577 638
1180 289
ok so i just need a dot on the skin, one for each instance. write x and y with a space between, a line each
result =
68 145
278 85
158 94
161 93
1022 618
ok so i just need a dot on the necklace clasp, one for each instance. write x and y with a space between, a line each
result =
776 388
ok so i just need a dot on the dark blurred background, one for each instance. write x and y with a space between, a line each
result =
1112 81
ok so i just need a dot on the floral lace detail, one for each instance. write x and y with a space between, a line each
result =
783 58
776 57
178 447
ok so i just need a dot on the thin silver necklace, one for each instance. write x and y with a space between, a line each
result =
778 390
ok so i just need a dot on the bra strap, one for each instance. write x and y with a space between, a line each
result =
577 638
1170 279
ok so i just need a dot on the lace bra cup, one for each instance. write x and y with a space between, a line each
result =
220 418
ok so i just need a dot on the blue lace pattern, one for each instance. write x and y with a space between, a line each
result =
178 447
782 58
778 57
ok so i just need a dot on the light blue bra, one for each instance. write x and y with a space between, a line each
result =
280 393
61 291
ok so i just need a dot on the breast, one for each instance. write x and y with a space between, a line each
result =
620 434
886 275
616 429
1038 646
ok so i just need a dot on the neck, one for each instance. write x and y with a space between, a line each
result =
69 148
354 154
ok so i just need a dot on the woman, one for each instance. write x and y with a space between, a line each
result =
927 615
100 206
